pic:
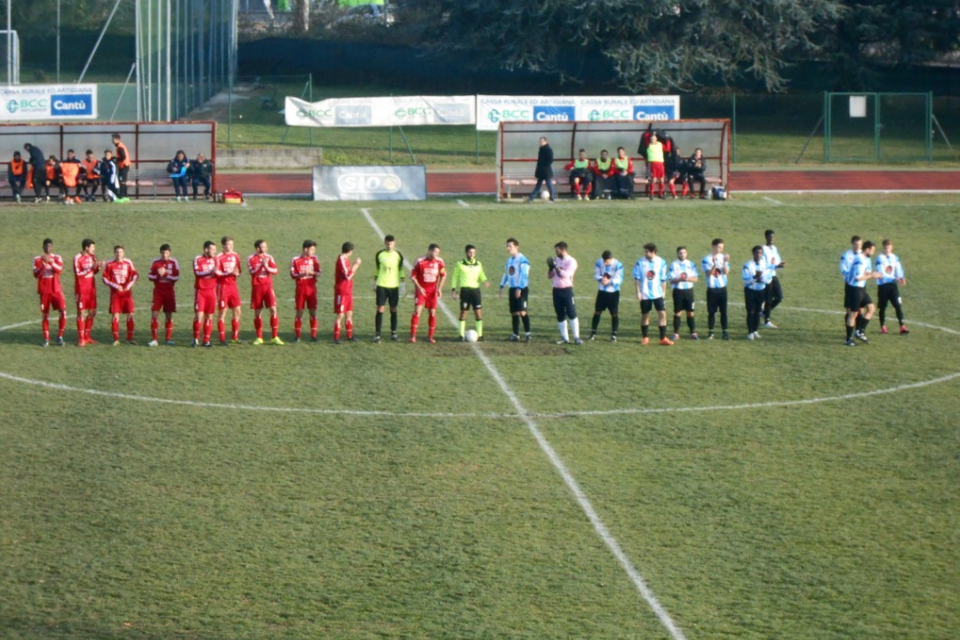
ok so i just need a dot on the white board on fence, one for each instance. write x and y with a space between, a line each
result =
400 111
858 106
41 102
492 110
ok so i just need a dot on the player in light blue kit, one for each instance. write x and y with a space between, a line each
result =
516 277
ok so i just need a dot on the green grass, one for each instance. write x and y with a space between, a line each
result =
127 518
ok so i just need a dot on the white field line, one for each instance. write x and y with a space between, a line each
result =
772 200
561 468
462 204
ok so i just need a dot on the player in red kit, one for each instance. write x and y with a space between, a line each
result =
343 291
304 269
85 266
428 275
164 273
47 268
120 275
204 293
262 269
228 296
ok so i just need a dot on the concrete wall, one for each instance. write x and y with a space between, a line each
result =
286 158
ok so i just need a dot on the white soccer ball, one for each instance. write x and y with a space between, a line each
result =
544 195
470 335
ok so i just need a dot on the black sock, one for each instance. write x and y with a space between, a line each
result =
645 329
595 324
863 327
616 324
849 332
723 321
526 323
676 324
711 321
663 331
393 322
516 325
378 322
691 324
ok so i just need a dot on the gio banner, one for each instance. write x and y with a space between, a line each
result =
39 102
381 112
492 110
370 183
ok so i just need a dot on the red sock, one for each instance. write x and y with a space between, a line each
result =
46 328
235 326
222 330
169 328
274 325
61 324
89 327
686 189
297 325
432 324
115 328
196 329
313 327
154 326
258 325
349 329
576 188
662 189
130 329
336 331
414 321
81 324
207 329
673 190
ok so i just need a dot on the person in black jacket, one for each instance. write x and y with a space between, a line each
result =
177 170
676 166
39 164
201 170
544 171
696 166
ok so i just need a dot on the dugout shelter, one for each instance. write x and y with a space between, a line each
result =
518 143
152 145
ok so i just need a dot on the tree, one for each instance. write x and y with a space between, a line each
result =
652 45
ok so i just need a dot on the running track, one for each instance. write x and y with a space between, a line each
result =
484 183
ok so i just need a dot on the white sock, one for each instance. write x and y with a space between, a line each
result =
575 325
563 330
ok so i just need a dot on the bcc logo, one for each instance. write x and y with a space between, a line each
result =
13 106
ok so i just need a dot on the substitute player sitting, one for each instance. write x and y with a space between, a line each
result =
120 275
262 268
47 268
305 269
428 275
164 273
343 291
467 276
580 175
205 293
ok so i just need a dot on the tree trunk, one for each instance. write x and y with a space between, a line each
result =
301 17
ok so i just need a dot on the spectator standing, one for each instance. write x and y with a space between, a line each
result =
544 171
37 163
123 165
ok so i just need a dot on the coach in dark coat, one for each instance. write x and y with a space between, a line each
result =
39 163
544 171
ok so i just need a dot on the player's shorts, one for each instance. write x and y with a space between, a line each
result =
564 304
683 300
853 297
228 296
518 304
342 302
51 300
889 294
306 297
164 300
717 300
388 295
428 299
205 301
607 301
582 174
121 303
657 170
86 300
867 300
470 298
657 303
262 297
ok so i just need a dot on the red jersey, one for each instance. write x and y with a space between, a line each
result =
169 278
261 267
342 277
205 269
120 275
228 265
305 270
84 268
428 272
48 273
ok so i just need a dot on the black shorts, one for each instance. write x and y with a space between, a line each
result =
683 300
583 174
853 297
607 301
564 305
717 300
388 294
518 304
646 305
889 294
469 298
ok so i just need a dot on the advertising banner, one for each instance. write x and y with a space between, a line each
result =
370 183
492 110
41 102
403 111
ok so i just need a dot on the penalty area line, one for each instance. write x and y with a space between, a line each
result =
561 468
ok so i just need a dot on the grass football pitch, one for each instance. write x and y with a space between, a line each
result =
789 487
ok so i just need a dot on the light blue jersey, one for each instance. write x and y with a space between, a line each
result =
751 270
615 271
859 268
715 268
845 261
889 268
516 273
684 269
650 276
